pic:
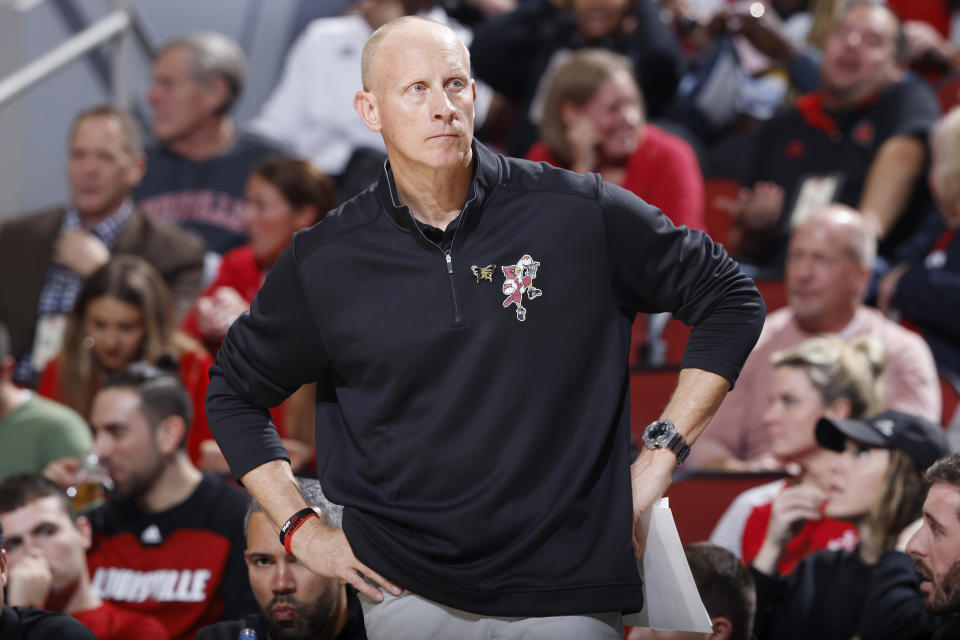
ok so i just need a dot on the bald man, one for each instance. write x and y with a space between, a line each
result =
473 314
829 261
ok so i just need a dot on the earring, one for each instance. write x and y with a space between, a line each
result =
88 342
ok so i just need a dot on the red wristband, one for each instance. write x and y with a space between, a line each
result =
291 525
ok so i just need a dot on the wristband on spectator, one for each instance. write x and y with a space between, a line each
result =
291 525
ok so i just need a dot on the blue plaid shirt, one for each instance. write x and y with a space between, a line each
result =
61 286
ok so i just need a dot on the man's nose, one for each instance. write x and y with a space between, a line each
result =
153 95
443 108
802 267
282 580
915 546
102 445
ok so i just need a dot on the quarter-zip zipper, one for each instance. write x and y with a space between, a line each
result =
447 253
457 316
448 257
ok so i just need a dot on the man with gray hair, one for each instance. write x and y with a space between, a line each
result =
295 603
52 252
828 267
197 172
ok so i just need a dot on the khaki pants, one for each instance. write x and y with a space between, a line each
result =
410 617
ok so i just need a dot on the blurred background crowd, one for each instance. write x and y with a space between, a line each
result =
817 140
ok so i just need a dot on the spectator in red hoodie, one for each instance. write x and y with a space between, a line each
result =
593 120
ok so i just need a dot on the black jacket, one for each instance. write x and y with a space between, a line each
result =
483 460
28 623
352 628
834 595
513 52
949 631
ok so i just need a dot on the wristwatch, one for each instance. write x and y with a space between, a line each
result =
663 434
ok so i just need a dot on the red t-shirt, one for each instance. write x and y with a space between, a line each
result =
936 13
663 171
816 535
239 270
113 623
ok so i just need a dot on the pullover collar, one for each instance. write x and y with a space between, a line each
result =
487 172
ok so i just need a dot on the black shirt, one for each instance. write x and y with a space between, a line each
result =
184 565
205 196
513 51
949 631
808 141
482 451
352 628
834 595
29 623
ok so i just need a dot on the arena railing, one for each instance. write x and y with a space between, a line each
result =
120 26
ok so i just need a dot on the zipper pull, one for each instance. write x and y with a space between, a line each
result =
449 262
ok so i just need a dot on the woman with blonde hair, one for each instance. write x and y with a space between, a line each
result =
593 121
872 592
822 376
124 314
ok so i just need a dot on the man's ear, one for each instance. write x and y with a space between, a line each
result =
86 531
722 628
136 169
170 433
3 571
216 93
365 104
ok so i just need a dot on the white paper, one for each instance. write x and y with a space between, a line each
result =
671 601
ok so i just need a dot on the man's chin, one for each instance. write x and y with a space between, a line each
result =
285 629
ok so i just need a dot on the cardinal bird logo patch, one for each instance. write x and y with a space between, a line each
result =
518 280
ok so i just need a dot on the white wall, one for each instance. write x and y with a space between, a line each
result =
33 128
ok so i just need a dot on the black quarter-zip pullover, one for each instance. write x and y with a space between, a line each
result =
481 442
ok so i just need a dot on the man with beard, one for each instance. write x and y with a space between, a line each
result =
935 547
168 541
295 603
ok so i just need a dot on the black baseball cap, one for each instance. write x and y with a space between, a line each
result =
917 437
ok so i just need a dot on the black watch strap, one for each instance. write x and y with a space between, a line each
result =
680 447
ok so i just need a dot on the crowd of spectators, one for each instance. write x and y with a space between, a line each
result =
824 112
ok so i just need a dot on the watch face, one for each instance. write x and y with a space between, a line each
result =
658 434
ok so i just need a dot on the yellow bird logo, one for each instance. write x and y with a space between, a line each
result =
483 273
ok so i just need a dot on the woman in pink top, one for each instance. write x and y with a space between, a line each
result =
823 376
593 120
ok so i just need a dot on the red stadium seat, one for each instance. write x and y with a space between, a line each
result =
649 392
698 499
774 293
716 190
948 92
